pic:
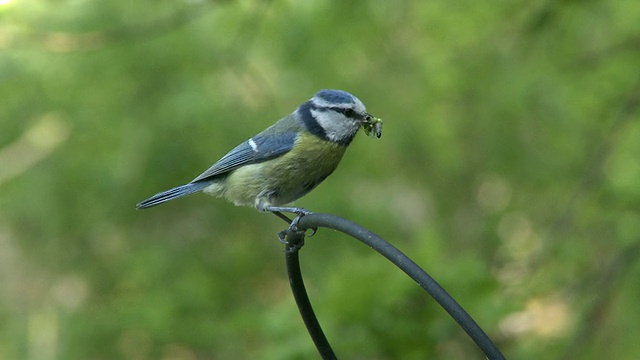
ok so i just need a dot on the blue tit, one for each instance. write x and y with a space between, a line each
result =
285 161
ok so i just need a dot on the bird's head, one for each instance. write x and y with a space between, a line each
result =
335 115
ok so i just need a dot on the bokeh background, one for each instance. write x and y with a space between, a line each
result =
509 168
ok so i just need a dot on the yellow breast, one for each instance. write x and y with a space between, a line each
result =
284 179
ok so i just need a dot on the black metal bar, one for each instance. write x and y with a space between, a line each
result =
407 265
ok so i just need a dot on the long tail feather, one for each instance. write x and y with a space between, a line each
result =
171 194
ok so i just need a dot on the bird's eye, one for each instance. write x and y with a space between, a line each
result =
349 113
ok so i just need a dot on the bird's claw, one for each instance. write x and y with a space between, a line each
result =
295 236
295 240
313 231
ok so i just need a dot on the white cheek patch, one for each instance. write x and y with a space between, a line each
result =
336 126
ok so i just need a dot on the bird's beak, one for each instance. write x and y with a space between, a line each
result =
372 125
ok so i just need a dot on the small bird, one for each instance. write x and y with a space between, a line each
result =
285 161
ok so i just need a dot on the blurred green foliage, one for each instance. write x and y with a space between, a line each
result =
509 168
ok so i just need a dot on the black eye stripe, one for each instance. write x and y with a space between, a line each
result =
347 112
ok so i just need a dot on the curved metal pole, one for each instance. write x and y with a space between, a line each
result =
313 221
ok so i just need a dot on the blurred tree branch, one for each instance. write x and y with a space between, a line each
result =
36 143
604 285
56 41
594 172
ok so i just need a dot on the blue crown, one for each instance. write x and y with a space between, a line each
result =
335 96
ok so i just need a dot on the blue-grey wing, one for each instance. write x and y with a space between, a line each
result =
261 147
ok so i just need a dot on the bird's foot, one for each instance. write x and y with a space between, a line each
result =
289 209
292 237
